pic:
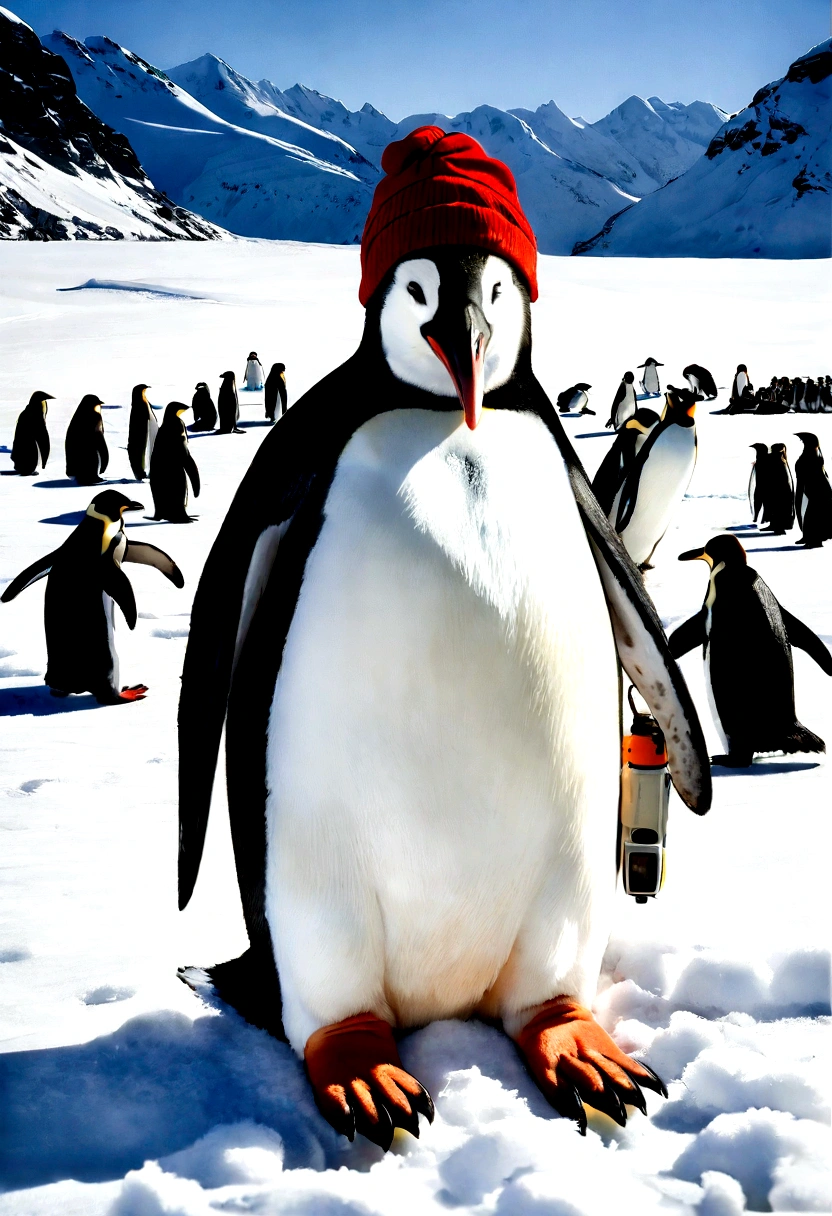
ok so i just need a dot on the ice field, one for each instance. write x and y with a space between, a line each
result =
123 1091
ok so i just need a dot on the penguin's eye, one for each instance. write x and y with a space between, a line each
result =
415 290
496 292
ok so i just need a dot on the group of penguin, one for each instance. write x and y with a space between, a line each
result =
775 498
576 398
780 396
84 574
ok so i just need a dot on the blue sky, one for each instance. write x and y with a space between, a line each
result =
451 55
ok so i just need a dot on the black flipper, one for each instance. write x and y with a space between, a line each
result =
117 585
801 635
192 472
43 444
689 635
103 451
27 577
149 555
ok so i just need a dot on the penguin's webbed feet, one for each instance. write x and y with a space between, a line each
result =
135 692
575 1062
359 1083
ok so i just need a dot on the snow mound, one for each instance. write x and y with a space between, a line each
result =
762 189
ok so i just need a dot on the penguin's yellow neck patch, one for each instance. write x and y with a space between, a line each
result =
112 527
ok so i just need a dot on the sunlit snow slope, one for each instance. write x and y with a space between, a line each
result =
123 1092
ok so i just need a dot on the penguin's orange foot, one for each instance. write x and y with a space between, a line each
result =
574 1061
359 1083
135 693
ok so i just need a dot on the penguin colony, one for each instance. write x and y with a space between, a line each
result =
386 564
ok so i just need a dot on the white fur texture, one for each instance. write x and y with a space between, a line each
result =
408 353
664 479
444 740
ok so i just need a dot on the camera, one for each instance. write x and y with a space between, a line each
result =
645 795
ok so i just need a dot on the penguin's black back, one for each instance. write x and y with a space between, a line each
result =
79 644
31 438
85 446
168 476
141 436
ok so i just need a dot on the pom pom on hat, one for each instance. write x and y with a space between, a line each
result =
443 190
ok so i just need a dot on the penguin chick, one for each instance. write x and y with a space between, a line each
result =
746 638
84 578
813 493
624 403
658 478
86 450
228 405
276 392
31 438
141 433
702 383
171 468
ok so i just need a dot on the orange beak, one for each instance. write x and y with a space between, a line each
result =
459 343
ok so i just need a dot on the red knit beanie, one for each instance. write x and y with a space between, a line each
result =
443 190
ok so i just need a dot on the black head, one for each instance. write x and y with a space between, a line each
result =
174 409
742 368
453 321
760 448
91 402
278 367
779 449
201 384
642 420
583 387
628 377
111 505
228 376
724 548
810 441
681 405
252 354
39 399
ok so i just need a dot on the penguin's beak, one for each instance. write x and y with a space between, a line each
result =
695 555
459 342
134 506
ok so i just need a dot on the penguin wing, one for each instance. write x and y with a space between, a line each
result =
103 451
290 470
43 444
639 637
752 496
804 638
619 397
149 555
117 585
27 577
192 472
688 636
611 472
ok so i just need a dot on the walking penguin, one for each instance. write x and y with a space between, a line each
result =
624 403
813 493
746 638
141 434
31 438
171 468
422 717
276 392
86 450
205 413
650 381
84 578
228 405
253 378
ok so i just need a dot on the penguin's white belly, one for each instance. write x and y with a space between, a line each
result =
664 479
443 742
650 383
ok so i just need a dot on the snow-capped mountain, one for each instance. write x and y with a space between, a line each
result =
580 141
665 139
252 183
762 189
63 173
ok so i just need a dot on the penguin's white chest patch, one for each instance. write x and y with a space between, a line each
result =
443 741
664 479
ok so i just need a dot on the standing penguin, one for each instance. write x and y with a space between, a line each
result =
205 413
141 434
84 578
650 381
757 481
740 384
87 456
31 438
656 483
702 383
825 390
618 463
798 388
624 402
228 404
253 378
172 467
746 638
813 493
276 392
778 494
421 689
811 397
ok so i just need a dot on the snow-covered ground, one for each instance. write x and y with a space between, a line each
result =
123 1091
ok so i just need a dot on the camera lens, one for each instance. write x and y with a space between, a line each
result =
644 836
643 873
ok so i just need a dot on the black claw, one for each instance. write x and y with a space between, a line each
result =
653 1081
343 1122
408 1123
380 1133
608 1102
567 1102
423 1103
633 1097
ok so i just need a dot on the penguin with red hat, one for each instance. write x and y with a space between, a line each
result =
411 625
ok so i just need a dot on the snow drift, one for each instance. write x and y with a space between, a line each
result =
762 189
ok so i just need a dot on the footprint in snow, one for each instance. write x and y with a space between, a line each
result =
29 787
107 995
